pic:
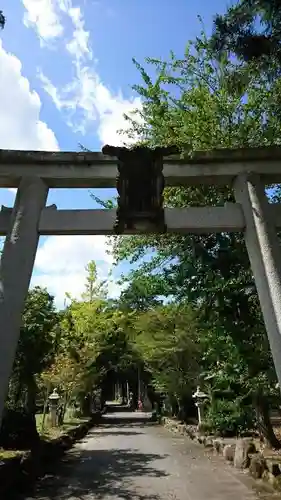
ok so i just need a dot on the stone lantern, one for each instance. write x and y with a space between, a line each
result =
140 184
200 401
54 401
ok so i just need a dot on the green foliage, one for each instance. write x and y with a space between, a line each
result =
193 104
2 19
18 430
95 347
190 101
190 104
94 288
229 418
142 293
252 30
167 339
39 333
107 204
39 339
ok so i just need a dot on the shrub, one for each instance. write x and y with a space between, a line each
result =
18 430
229 418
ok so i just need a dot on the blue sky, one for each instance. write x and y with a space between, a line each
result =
66 77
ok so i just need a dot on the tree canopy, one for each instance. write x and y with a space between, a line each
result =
251 29
192 103
2 19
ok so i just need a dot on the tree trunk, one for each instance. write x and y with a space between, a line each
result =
45 408
263 421
30 406
63 408
18 394
174 406
31 395
124 392
182 413
86 406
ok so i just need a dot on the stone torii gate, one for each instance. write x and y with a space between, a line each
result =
34 173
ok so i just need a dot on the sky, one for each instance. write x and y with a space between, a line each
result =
66 77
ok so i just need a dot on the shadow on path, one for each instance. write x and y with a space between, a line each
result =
114 423
102 473
113 433
126 421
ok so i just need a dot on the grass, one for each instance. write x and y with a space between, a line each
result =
7 454
49 433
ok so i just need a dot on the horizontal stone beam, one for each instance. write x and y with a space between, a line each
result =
94 170
200 220
179 220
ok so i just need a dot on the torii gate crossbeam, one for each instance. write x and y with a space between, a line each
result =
33 173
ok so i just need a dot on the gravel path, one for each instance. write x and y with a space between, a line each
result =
141 461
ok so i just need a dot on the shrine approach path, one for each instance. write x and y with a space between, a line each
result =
133 459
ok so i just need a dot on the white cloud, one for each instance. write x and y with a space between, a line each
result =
78 46
61 260
85 99
20 124
43 16
61 253
111 112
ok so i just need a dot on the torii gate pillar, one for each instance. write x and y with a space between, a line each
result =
16 269
265 257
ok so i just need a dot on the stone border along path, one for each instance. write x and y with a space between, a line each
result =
241 453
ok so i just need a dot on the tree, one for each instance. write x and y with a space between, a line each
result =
191 104
2 19
116 357
251 29
39 339
67 375
81 323
142 293
93 288
95 336
167 338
